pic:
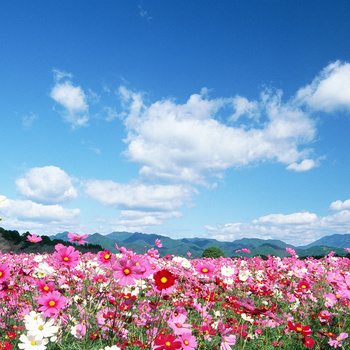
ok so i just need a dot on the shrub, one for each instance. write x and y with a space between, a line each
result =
213 252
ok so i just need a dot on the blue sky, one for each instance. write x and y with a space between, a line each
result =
211 119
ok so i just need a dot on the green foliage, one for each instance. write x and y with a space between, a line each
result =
213 252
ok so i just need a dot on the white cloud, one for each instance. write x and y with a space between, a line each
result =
187 142
28 210
330 90
3 201
144 219
244 107
297 228
339 205
48 184
281 219
73 100
138 196
304 165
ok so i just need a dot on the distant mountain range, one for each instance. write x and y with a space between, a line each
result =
141 242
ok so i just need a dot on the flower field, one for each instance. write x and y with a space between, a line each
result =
67 300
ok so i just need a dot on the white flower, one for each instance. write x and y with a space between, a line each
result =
114 347
31 343
38 258
39 328
247 318
227 271
43 269
243 275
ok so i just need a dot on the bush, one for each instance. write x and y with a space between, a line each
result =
213 252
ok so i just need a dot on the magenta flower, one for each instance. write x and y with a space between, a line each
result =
158 244
4 272
67 256
73 237
34 238
205 269
126 271
105 257
52 303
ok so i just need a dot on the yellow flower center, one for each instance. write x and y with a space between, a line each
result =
205 270
299 329
107 256
66 258
1 273
52 303
126 271
186 342
41 327
33 342
167 343
46 288
164 280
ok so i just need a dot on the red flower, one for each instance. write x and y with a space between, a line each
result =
309 342
164 279
5 345
167 342
304 330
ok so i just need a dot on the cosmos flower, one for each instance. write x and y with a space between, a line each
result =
164 279
73 237
34 238
52 303
67 256
126 271
4 272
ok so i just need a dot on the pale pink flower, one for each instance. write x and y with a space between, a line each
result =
337 342
329 299
227 341
178 325
73 237
188 341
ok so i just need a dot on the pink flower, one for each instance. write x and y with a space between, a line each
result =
227 341
52 303
58 246
45 287
75 238
105 257
205 269
290 251
329 299
158 244
178 325
34 238
189 254
188 341
337 341
126 271
67 256
4 272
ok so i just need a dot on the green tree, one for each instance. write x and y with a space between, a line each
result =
213 252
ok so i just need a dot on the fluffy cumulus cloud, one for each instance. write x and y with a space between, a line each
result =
191 141
48 184
330 90
71 98
41 219
297 228
138 196
339 205
134 220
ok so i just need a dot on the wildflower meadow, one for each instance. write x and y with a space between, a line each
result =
68 300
